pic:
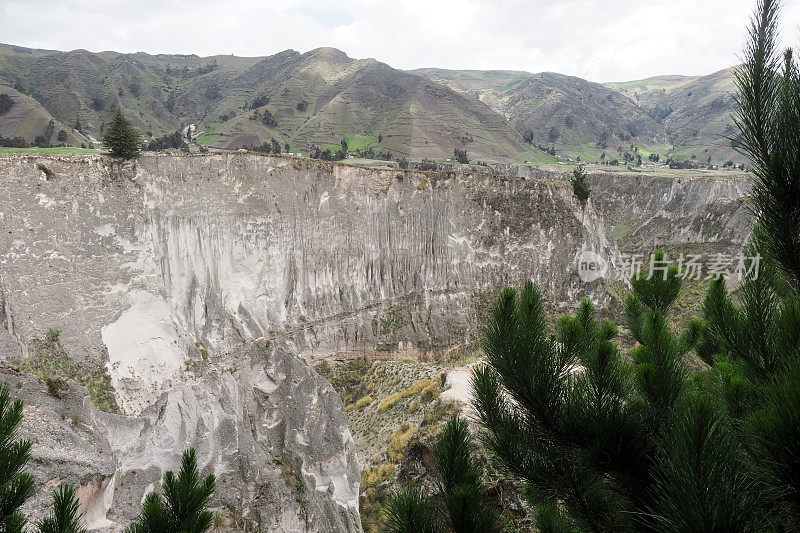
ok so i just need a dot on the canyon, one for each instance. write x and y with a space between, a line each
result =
206 287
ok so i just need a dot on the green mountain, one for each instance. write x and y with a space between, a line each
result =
312 99
318 98
695 112
576 117
685 117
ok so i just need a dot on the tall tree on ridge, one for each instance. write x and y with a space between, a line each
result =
121 137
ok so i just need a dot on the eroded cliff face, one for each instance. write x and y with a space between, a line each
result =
152 260
645 212
205 284
646 209
273 432
182 274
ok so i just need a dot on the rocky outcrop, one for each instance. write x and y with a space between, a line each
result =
67 446
9 346
272 431
644 211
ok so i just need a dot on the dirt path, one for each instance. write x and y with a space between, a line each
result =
459 380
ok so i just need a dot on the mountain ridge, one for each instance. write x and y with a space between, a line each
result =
320 97
667 115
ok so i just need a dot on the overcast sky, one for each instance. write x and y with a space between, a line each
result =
601 40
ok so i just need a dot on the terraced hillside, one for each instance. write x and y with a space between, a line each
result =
695 112
576 117
683 117
321 97
301 100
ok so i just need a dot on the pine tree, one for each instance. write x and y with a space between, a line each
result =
580 185
121 138
459 504
583 424
768 115
753 341
65 517
182 508
16 486
699 481
604 445
408 511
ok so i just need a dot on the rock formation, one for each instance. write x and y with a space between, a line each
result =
272 431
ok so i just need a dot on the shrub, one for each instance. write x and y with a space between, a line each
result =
392 399
173 140
268 119
460 156
16 142
430 392
399 442
213 92
363 402
528 136
427 164
98 103
6 103
373 476
259 101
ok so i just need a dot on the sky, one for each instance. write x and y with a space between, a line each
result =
600 40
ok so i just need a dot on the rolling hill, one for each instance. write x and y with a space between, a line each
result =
576 117
685 117
318 98
312 99
695 112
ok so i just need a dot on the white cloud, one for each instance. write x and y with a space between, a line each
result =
595 39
